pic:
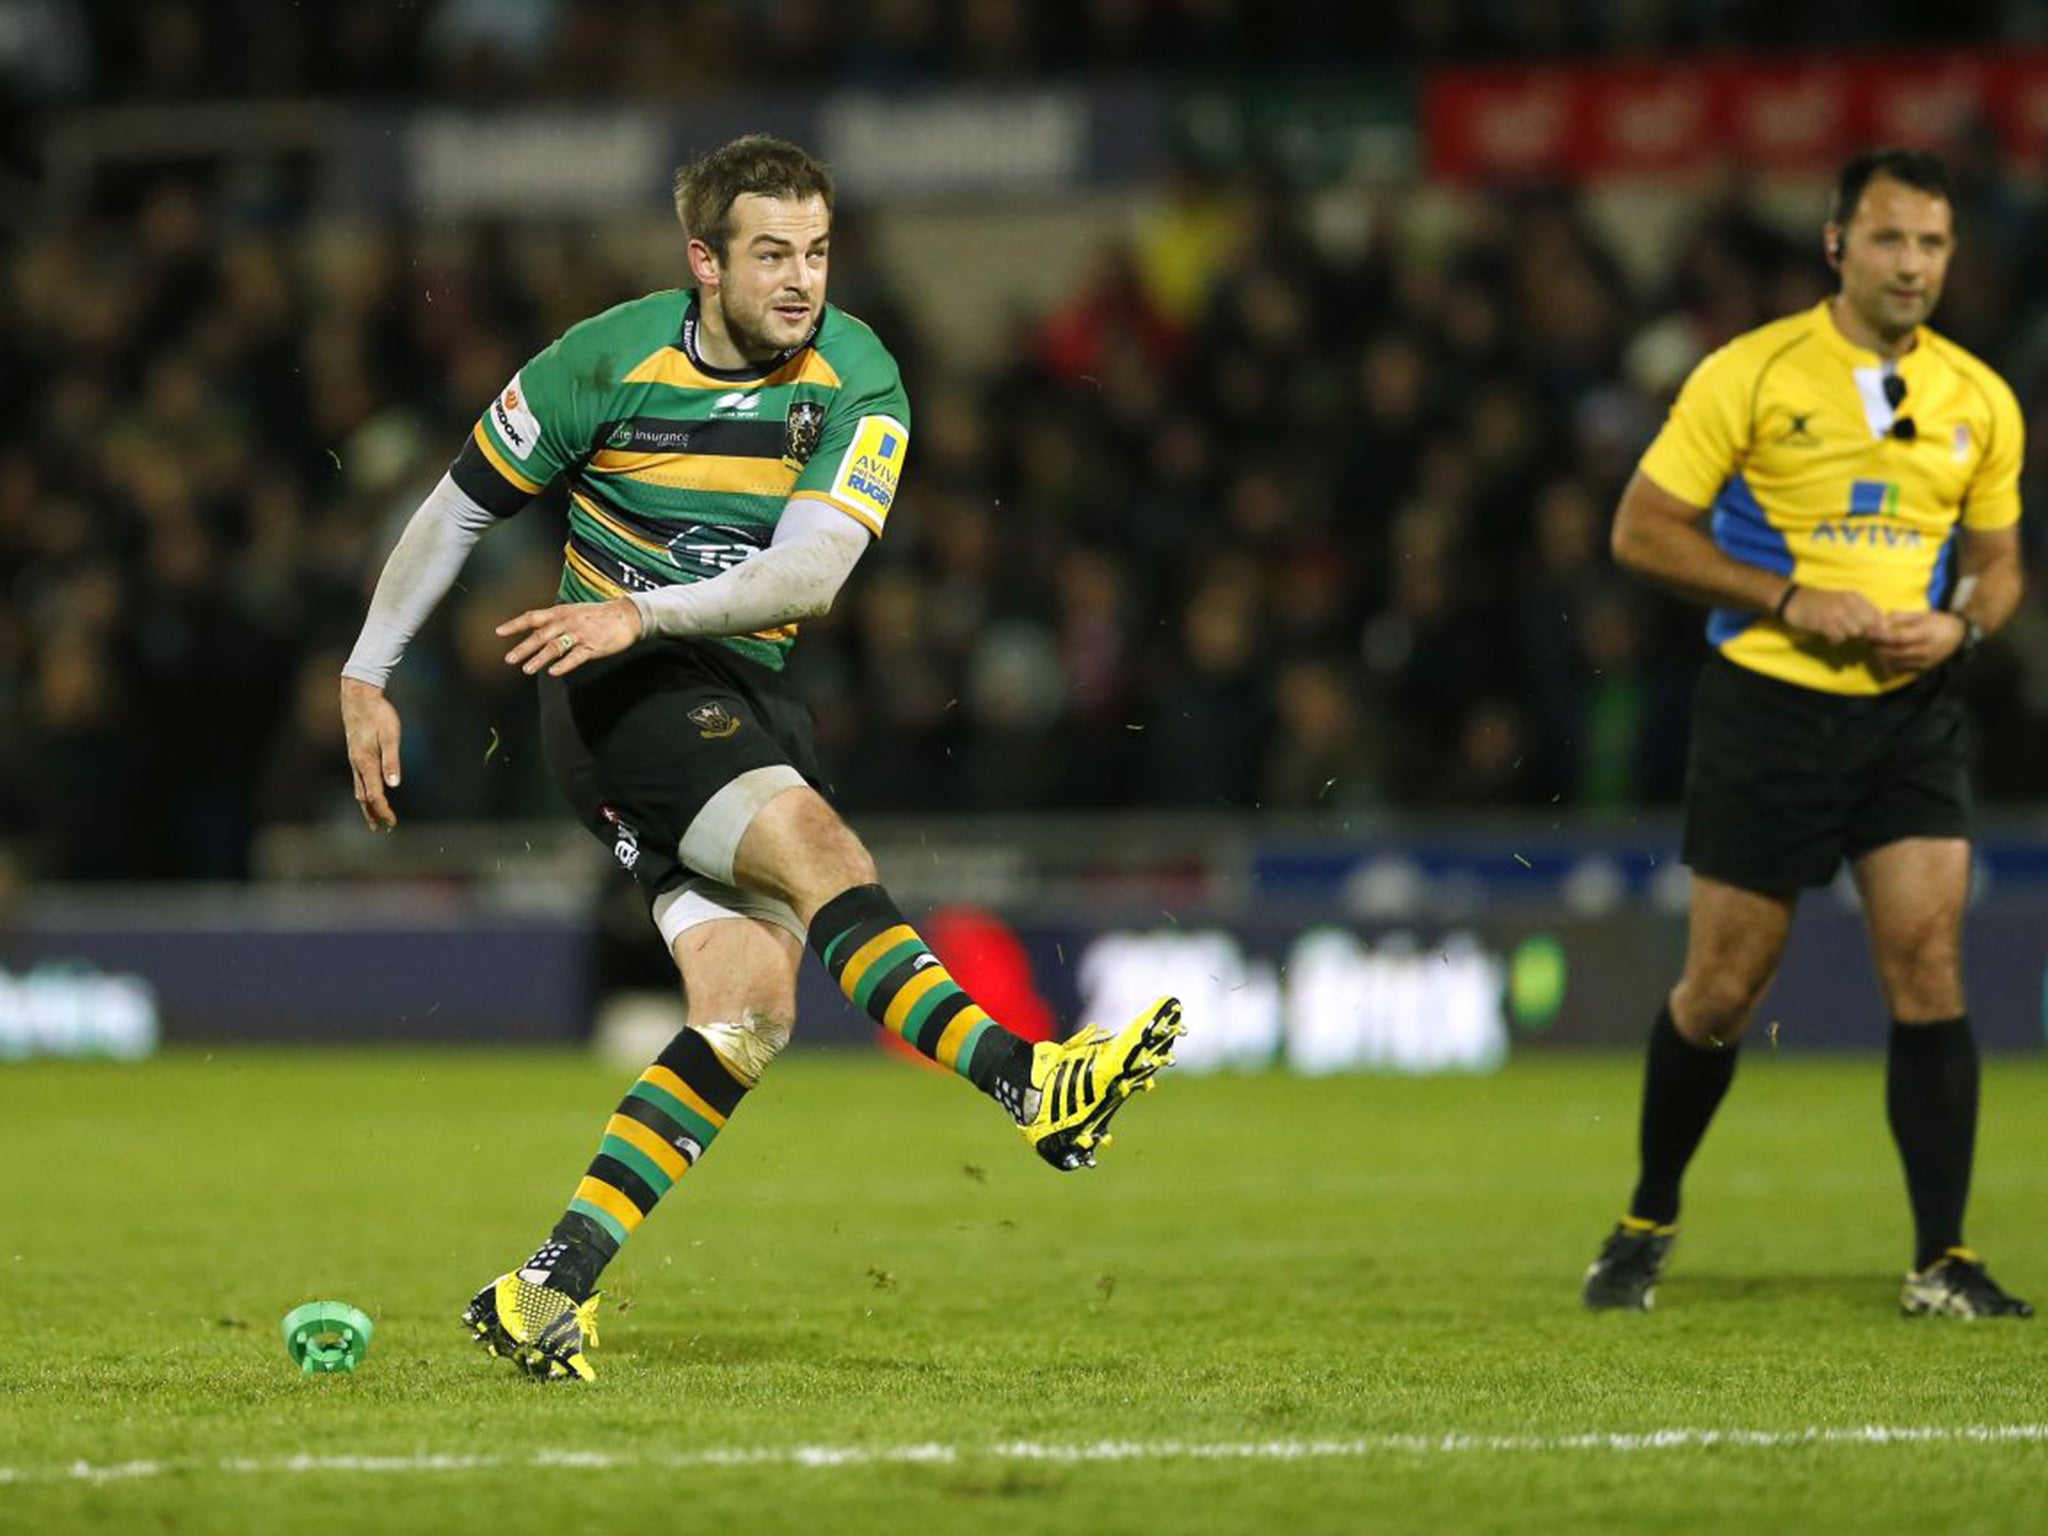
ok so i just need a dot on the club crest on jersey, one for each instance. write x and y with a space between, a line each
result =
801 430
714 721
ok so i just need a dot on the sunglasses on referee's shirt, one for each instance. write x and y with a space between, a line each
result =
1895 395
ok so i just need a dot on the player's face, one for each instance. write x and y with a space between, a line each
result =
1895 251
771 285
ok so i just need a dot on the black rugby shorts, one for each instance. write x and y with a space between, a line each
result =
641 741
1783 783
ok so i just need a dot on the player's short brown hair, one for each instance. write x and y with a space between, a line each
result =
707 187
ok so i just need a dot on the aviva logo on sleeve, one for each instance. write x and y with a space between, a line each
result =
868 474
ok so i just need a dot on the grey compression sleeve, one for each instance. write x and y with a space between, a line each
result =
814 550
418 574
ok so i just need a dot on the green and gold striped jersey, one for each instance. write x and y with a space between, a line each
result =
677 471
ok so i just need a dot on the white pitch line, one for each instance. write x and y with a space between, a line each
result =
825 1457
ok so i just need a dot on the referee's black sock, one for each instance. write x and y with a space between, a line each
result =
1683 1085
1930 1097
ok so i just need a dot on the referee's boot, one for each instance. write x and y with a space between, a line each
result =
1956 1285
1624 1277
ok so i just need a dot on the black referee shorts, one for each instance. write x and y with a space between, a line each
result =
1784 783
643 741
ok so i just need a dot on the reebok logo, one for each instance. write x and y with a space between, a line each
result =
517 426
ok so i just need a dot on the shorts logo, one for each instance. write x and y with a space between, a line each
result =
801 430
714 721
516 424
627 849
867 475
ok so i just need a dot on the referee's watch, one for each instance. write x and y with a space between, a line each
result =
1973 636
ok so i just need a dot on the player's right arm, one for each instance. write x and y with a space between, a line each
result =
417 575
1659 536
1658 528
535 428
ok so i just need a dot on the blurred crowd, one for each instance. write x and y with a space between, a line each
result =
1294 503
650 49
1261 519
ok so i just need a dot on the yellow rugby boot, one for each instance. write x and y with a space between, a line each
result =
541 1330
1081 1082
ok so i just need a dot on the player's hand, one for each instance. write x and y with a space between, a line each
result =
563 638
1914 642
1832 616
370 725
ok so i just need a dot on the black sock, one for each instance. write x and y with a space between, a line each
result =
574 1255
1682 1087
665 1123
883 966
1930 1097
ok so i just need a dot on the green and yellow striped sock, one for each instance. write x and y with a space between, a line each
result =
665 1123
886 969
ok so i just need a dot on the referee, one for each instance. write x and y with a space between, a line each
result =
1840 489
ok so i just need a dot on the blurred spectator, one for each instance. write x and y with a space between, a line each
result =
486 50
1324 758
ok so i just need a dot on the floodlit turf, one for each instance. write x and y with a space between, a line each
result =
872 1309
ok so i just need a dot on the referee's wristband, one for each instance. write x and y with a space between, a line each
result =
1785 600
1973 636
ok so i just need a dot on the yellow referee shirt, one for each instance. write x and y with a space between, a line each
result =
1789 435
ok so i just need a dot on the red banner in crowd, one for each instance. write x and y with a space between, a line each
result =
1795 114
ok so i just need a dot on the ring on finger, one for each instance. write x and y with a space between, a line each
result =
565 643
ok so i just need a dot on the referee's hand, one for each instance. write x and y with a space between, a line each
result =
1915 642
1833 616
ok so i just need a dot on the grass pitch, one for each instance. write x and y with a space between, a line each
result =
1344 1305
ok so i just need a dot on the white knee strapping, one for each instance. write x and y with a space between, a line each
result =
748 1046
701 900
